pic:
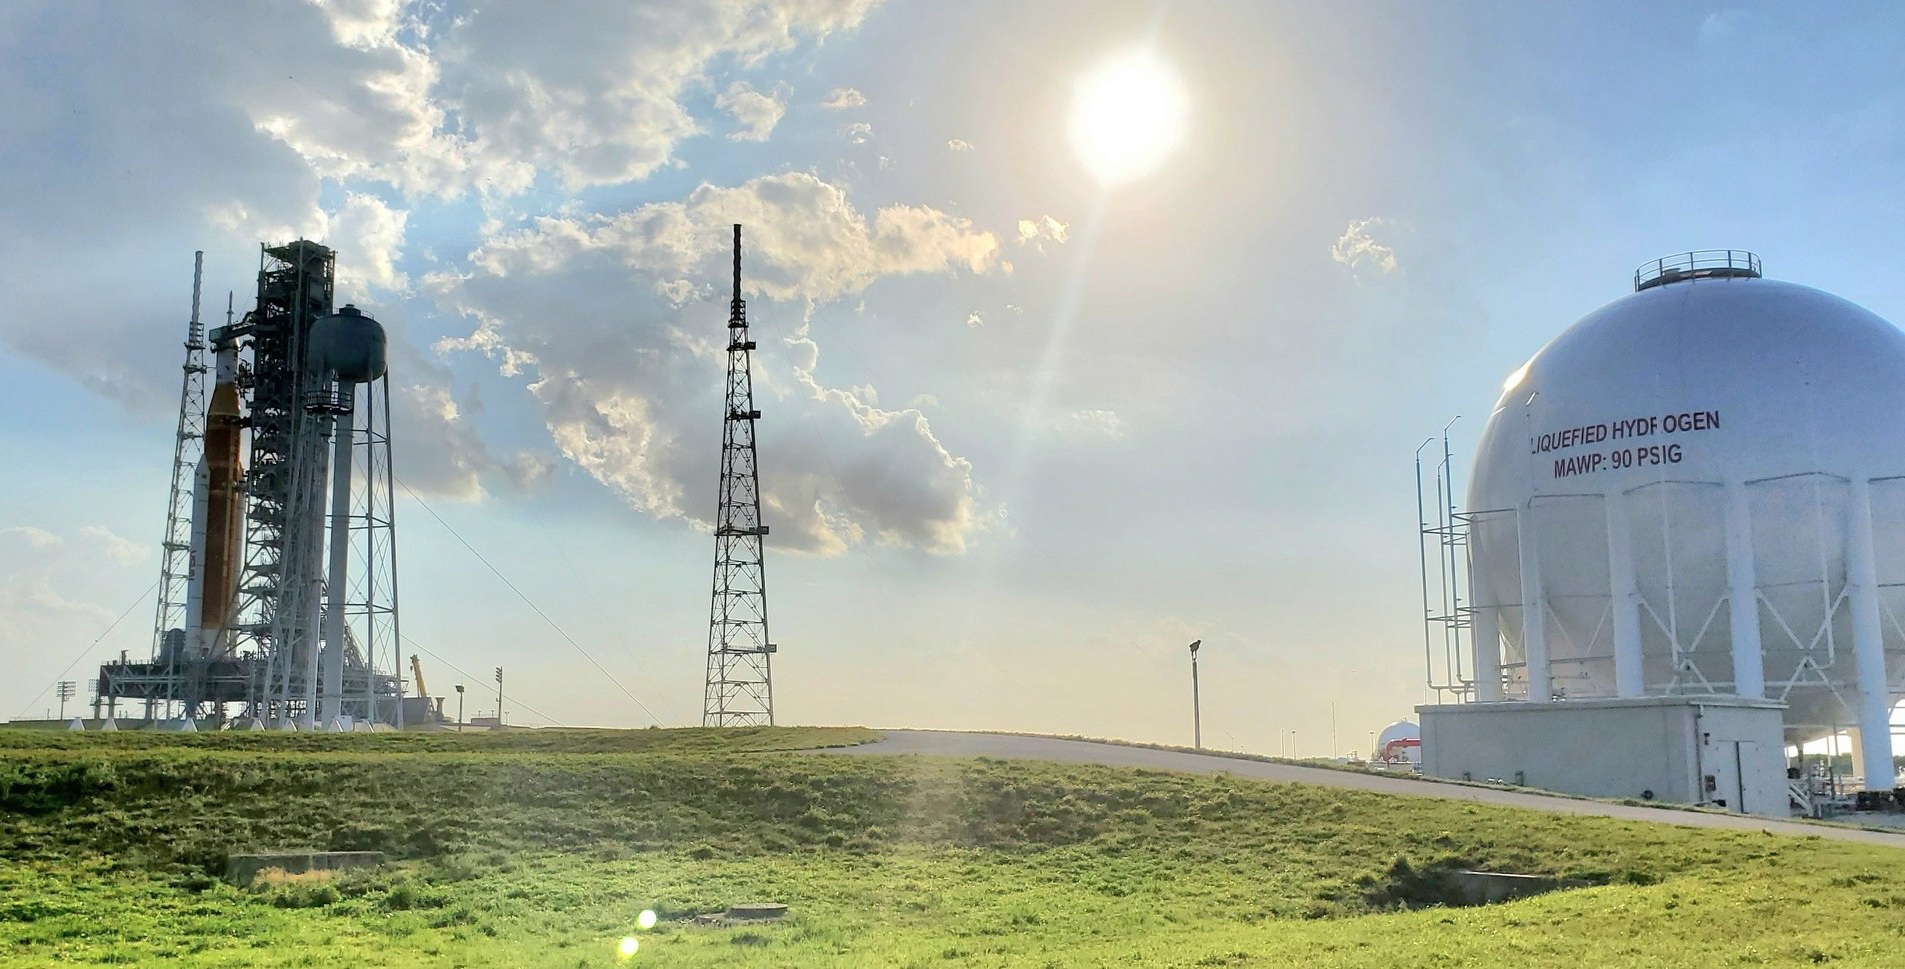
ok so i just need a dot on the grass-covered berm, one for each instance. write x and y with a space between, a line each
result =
542 848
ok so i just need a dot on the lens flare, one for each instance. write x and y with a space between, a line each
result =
629 946
646 920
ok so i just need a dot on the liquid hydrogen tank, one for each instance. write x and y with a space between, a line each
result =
1700 489
1400 742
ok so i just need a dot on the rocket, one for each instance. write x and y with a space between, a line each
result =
218 514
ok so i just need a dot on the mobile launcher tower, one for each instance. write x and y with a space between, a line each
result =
260 612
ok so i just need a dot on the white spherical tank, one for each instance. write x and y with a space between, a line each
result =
1400 742
1699 488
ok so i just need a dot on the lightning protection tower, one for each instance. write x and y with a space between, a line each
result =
188 447
740 686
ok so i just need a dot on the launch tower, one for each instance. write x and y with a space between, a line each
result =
261 625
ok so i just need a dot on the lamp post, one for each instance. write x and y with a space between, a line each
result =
1197 713
459 708
499 697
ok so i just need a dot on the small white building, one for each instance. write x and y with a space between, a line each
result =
1711 751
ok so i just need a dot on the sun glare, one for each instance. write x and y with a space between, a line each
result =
1128 115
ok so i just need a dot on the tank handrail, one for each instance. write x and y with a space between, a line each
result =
1697 264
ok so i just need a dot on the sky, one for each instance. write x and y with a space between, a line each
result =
1028 431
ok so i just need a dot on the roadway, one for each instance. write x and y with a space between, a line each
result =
946 743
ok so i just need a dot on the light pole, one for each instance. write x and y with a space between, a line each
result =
1197 713
459 708
66 690
499 697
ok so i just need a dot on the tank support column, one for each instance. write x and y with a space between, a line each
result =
1868 640
1623 599
1749 668
344 427
1534 613
1487 640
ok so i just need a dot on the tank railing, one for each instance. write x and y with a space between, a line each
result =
1698 264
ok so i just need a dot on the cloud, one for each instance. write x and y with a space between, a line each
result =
615 321
57 589
858 132
757 113
288 102
1089 422
975 320
30 536
368 236
596 95
1036 232
958 144
843 98
363 23
112 546
1358 250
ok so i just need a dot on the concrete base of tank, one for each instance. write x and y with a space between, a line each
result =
1711 751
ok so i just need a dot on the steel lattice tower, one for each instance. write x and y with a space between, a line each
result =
187 449
740 685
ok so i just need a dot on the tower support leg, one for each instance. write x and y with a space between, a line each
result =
340 549
1624 588
1868 642
1534 614
1749 666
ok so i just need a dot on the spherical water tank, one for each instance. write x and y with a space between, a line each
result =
1400 742
349 344
1699 488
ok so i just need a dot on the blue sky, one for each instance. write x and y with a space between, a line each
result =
1013 467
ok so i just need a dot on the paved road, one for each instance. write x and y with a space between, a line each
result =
939 743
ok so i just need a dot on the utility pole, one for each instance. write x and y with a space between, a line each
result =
459 708
1197 713
66 690
499 696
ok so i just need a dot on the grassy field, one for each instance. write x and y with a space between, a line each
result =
541 848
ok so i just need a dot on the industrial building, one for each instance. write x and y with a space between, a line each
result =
1684 549
278 587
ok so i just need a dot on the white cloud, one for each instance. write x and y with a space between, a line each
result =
1358 250
1091 422
958 144
368 236
757 113
595 95
858 132
1037 232
843 98
975 320
112 546
30 536
363 23
626 377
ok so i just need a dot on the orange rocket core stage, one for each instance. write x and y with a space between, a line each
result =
224 513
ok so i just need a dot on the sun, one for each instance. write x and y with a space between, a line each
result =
1129 114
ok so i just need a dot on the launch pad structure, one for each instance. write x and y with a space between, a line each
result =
252 619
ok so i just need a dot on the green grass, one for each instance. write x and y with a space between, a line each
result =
543 853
